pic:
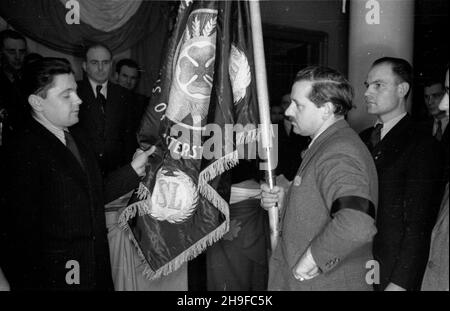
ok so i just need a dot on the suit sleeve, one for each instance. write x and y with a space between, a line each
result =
341 175
119 183
22 213
129 135
420 208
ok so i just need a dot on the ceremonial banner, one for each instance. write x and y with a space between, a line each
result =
203 107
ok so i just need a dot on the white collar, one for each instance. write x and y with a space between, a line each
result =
387 126
58 132
324 126
104 89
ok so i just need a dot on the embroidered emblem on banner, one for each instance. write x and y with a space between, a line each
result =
240 75
194 70
174 197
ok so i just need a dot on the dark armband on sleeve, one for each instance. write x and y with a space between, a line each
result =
353 202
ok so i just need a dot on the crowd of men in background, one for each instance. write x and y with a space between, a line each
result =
69 147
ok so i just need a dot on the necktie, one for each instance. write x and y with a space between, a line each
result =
438 134
100 97
72 146
375 137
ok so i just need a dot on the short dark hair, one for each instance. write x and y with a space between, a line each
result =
433 76
328 85
10 34
97 45
430 82
400 67
40 74
129 63
31 57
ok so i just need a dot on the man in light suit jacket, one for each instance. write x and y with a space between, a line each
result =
328 217
409 168
55 237
106 114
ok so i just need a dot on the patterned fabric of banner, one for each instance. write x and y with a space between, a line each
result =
206 87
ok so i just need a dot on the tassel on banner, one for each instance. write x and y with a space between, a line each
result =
177 262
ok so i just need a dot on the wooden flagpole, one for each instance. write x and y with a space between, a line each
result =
264 113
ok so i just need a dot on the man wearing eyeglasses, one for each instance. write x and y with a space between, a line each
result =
408 167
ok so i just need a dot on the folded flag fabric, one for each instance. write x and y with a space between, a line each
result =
203 108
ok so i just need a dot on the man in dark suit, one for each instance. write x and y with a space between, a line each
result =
437 125
55 223
328 219
127 75
13 48
408 166
433 92
437 271
105 115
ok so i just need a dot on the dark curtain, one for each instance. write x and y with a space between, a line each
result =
44 21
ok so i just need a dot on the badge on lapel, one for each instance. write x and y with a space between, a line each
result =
297 180
377 155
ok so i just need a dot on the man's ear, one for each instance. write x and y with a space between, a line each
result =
403 89
328 110
36 102
83 65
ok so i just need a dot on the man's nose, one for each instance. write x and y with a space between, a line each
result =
288 112
78 100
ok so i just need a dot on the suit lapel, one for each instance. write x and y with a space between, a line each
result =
87 92
445 135
393 142
111 101
115 104
311 151
63 157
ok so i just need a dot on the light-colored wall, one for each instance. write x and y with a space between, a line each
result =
392 35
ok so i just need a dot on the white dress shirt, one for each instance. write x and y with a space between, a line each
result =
104 89
390 124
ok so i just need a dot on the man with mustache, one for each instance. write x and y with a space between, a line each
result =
408 167
327 221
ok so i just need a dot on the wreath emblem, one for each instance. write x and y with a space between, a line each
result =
174 196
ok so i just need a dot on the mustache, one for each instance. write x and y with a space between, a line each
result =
369 99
